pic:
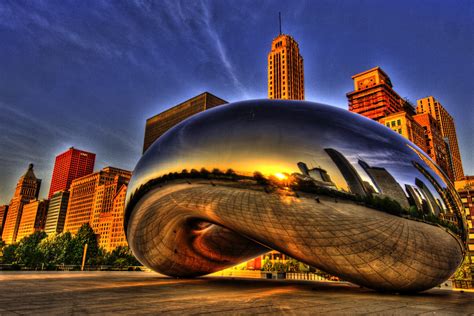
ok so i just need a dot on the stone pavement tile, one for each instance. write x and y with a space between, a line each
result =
145 293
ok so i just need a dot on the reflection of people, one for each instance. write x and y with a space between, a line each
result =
317 199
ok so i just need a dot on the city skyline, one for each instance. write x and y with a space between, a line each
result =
55 101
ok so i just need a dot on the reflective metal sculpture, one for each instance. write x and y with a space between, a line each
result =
330 188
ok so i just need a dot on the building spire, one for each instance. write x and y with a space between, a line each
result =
279 20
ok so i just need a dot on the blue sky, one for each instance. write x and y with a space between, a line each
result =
88 73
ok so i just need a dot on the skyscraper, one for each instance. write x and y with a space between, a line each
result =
3 216
57 212
111 227
27 189
373 95
448 131
105 195
404 123
435 146
160 123
465 188
70 165
91 195
285 69
33 218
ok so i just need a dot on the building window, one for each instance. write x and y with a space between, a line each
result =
399 122
393 123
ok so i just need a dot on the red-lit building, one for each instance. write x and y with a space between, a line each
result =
373 95
70 165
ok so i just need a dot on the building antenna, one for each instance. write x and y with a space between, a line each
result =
279 19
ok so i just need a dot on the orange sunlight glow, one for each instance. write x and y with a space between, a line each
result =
280 176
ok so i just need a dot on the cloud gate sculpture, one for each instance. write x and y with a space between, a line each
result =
327 187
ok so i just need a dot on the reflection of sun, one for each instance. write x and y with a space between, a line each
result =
280 176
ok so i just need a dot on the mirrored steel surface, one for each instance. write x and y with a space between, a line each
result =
328 187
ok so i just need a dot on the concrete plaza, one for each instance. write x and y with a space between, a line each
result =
65 293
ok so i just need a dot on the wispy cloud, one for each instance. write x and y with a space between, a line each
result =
219 45
196 25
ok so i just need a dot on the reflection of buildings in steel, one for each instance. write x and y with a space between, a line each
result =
385 183
414 196
449 196
429 198
356 186
192 224
319 175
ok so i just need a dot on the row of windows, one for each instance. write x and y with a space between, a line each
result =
392 123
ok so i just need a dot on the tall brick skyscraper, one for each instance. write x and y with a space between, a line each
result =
70 165
448 131
92 195
373 95
285 69
27 189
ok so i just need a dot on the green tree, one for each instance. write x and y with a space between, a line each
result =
122 252
84 236
58 249
267 264
9 254
28 252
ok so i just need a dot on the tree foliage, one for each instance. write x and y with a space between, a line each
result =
40 250
27 252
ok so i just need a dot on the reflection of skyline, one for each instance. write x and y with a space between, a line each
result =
432 204
317 174
356 186
385 183
271 144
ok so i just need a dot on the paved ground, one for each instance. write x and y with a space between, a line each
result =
64 293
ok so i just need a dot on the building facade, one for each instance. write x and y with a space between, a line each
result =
435 146
111 224
3 216
27 189
465 188
94 199
448 131
57 212
105 197
33 218
373 95
70 165
86 196
160 123
429 126
285 69
404 124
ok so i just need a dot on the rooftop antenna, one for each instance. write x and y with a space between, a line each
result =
279 19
